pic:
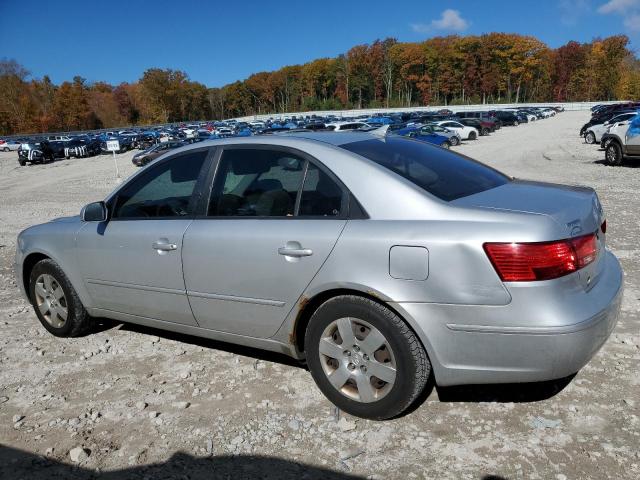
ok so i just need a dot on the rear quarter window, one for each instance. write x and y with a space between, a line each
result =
442 173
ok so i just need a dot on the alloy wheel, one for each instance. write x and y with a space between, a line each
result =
357 360
51 300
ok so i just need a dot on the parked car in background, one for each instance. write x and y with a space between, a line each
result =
508 118
82 147
344 126
35 152
425 135
594 133
9 145
435 129
142 158
622 141
465 132
483 126
482 115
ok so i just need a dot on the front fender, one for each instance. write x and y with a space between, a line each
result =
56 241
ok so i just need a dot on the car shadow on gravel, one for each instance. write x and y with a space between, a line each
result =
625 163
255 353
505 392
15 464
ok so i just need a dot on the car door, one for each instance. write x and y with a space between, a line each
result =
132 263
272 220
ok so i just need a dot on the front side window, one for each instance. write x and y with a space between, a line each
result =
163 191
256 183
440 172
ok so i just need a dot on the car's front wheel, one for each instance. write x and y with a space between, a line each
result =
590 138
56 302
365 358
454 140
613 153
516 123
5 149
446 145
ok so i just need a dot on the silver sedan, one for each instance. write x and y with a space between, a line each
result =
381 262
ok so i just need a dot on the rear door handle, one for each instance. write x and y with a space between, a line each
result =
164 247
295 252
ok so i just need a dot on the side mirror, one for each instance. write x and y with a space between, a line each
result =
94 212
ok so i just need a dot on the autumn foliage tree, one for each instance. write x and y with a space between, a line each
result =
451 70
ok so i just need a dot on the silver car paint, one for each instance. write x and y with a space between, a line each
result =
475 328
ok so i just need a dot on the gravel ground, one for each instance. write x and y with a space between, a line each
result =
132 402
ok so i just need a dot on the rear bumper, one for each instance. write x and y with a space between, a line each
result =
521 341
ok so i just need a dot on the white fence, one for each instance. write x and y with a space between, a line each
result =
431 108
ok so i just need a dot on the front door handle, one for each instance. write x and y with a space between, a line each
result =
164 247
295 252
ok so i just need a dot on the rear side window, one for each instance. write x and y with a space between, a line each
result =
440 172
321 196
256 183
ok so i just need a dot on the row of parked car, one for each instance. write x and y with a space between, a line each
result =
50 148
443 127
616 129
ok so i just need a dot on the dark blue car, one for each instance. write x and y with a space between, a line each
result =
424 136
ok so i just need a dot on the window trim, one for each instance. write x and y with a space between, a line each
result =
194 201
347 196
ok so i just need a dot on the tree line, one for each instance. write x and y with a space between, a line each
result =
452 70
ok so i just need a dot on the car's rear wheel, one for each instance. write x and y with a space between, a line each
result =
454 140
56 302
590 138
613 153
365 358
515 123
473 136
484 132
5 149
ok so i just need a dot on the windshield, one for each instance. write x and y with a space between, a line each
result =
442 173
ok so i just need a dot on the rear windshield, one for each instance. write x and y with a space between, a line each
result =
440 172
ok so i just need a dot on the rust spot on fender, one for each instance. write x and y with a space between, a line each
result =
302 303
374 294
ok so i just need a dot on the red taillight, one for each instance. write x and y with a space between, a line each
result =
525 262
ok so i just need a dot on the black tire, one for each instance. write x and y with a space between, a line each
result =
5 149
22 162
515 123
484 132
409 355
590 138
473 136
454 141
613 154
446 145
78 320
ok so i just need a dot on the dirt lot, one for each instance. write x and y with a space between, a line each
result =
148 404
